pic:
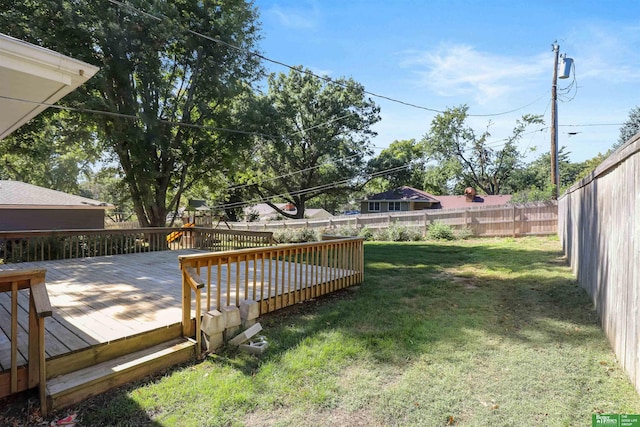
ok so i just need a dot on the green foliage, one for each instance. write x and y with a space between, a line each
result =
366 233
440 231
399 232
534 194
323 133
468 157
464 233
299 235
345 230
629 128
406 154
54 150
533 182
395 232
158 72
489 332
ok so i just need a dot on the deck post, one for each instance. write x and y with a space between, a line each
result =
186 306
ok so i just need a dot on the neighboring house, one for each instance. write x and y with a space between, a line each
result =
31 78
267 213
29 207
412 199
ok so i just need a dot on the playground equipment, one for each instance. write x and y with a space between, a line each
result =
178 234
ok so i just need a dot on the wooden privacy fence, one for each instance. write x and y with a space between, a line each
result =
25 246
12 378
516 220
275 277
600 234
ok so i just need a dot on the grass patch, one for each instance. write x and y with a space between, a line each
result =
474 333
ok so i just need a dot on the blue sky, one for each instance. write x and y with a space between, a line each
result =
494 56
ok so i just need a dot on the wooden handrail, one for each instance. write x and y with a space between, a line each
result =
39 309
191 281
41 245
275 276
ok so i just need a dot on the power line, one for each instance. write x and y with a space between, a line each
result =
234 187
308 72
137 118
169 122
304 191
595 124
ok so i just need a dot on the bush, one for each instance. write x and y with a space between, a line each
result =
283 236
398 232
345 231
440 231
381 235
464 233
299 235
306 235
366 234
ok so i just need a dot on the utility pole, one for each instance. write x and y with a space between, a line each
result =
555 177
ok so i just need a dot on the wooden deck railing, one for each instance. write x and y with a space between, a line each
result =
19 379
191 281
275 277
25 246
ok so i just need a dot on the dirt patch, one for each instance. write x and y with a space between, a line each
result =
468 282
333 418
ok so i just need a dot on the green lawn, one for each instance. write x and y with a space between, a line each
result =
468 333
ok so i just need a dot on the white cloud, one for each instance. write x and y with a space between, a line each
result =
606 51
299 18
453 70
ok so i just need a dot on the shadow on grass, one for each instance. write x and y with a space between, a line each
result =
416 296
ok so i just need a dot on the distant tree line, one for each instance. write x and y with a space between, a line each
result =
192 120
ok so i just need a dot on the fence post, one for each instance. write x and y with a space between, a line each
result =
514 221
426 223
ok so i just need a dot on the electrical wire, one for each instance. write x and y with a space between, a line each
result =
308 72
132 117
304 191
171 123
235 187
567 90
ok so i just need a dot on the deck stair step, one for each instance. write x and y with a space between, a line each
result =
67 389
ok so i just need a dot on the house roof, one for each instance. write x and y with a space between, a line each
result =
32 76
404 193
457 202
446 202
265 211
16 194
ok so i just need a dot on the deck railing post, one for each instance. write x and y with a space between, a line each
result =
186 306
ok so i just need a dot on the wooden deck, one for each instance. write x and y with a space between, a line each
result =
98 300
102 299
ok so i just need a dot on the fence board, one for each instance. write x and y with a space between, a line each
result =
600 236
493 221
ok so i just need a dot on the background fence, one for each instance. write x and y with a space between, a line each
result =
517 220
600 235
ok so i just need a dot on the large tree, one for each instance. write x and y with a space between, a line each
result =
171 88
50 151
452 143
402 163
320 137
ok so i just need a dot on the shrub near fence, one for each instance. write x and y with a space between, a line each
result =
516 220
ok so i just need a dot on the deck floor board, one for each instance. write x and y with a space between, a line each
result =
97 300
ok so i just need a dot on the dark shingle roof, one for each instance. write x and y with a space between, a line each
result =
457 202
15 193
443 202
405 193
